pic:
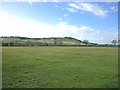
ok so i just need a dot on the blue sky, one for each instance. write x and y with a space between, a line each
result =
96 22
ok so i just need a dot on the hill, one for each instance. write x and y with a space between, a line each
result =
52 41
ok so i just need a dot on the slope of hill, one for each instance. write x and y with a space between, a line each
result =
52 41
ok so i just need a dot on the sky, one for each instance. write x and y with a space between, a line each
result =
94 21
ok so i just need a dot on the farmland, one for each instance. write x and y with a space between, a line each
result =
60 67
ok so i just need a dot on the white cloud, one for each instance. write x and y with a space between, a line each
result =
71 9
55 1
12 26
65 15
94 8
74 5
86 28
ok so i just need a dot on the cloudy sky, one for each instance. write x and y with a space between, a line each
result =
96 22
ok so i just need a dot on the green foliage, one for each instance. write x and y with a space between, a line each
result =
114 42
60 67
86 41
53 41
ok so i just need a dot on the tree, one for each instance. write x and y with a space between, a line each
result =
86 42
55 41
114 42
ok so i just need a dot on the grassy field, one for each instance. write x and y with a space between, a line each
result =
60 67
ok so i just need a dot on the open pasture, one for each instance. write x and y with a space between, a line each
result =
60 67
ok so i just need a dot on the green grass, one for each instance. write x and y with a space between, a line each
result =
60 67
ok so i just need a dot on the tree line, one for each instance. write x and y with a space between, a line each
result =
52 41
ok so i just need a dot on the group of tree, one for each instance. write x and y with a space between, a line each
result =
56 41
52 41
115 42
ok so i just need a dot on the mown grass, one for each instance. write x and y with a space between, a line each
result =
60 67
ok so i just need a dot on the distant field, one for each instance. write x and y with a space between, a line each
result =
60 67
